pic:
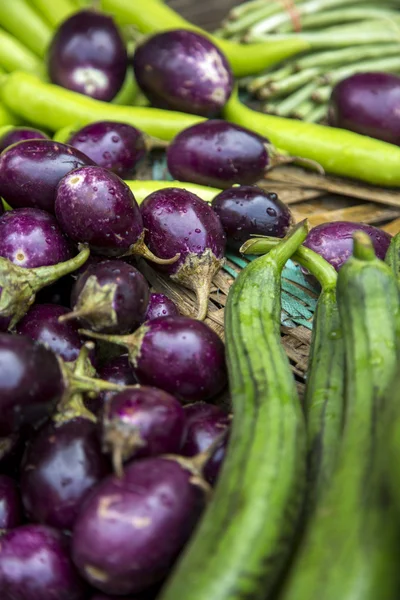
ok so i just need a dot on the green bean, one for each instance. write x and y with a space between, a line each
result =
54 11
142 188
245 59
322 94
317 114
258 82
15 56
22 21
292 83
303 110
322 19
291 103
336 39
52 107
338 151
344 56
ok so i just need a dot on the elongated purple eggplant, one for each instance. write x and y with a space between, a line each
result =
95 206
131 529
160 306
183 70
110 297
179 222
88 55
30 172
249 210
182 356
142 422
35 565
19 134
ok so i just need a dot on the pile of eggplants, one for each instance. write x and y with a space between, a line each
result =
126 421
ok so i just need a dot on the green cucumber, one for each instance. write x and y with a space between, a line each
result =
245 537
350 549
393 256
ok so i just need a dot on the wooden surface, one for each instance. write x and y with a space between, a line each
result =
207 14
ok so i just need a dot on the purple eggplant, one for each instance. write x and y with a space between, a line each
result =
116 370
161 306
179 222
10 504
62 464
334 241
95 206
41 323
19 134
30 382
30 172
142 422
218 154
87 55
183 70
179 355
131 529
35 565
112 145
30 238
204 424
368 103
249 210
110 297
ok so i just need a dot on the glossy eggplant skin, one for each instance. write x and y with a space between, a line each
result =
183 70
19 134
368 103
161 306
218 154
10 504
31 170
87 55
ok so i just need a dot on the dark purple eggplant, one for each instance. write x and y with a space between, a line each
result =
31 382
30 238
112 145
10 504
182 356
161 306
19 134
117 370
220 154
249 210
95 206
41 323
35 565
334 241
131 529
204 424
142 422
110 297
62 464
179 222
183 70
30 172
19 285
87 55
368 103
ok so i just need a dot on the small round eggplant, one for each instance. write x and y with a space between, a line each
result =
179 222
161 306
248 210
218 154
204 424
10 504
88 55
62 463
368 103
110 297
35 565
112 145
95 206
30 238
131 529
179 355
183 70
334 241
41 323
19 134
31 170
142 422
31 382
117 370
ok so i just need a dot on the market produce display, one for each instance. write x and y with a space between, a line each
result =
153 447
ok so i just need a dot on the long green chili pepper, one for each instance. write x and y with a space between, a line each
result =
22 21
142 188
54 11
350 549
244 538
338 151
15 56
7 118
245 59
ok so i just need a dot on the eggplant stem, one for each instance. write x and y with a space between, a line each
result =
141 249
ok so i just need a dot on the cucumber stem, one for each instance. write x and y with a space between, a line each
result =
363 248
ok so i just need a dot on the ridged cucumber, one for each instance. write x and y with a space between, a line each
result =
244 538
351 549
